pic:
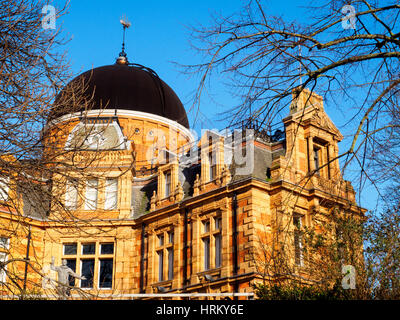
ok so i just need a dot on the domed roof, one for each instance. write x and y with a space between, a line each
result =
127 87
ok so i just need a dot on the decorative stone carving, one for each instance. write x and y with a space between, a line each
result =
226 175
321 119
179 192
153 201
196 185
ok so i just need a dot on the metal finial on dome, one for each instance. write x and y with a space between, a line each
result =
122 59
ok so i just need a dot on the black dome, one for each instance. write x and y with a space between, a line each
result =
132 87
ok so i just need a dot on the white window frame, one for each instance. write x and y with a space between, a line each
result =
300 240
71 196
4 188
168 180
4 245
3 272
91 194
111 194
99 259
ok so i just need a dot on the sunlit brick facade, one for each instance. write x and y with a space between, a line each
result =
162 212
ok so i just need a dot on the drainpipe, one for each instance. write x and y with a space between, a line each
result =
26 260
235 247
142 257
185 247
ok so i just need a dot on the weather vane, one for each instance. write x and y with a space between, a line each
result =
122 59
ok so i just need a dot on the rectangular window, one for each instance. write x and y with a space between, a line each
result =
160 239
71 195
171 237
3 271
316 159
87 270
328 162
95 262
298 254
167 184
4 247
89 248
217 222
72 264
206 226
212 242
105 273
165 252
107 248
91 194
218 253
206 245
4 188
212 167
340 245
170 263
70 249
4 243
160 265
111 194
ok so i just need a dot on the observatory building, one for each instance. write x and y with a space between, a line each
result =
137 206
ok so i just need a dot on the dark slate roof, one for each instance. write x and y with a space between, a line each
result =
132 87
190 166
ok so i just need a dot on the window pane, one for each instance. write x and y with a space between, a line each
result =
72 264
4 188
160 239
87 266
160 265
70 249
297 247
217 223
211 166
167 184
3 258
206 242
71 196
297 222
91 194
316 159
218 251
107 248
170 263
206 226
89 248
111 194
106 271
4 243
297 240
171 237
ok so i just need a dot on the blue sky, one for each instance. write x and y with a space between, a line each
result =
158 37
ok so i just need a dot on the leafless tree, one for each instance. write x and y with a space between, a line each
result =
34 166
352 60
346 51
